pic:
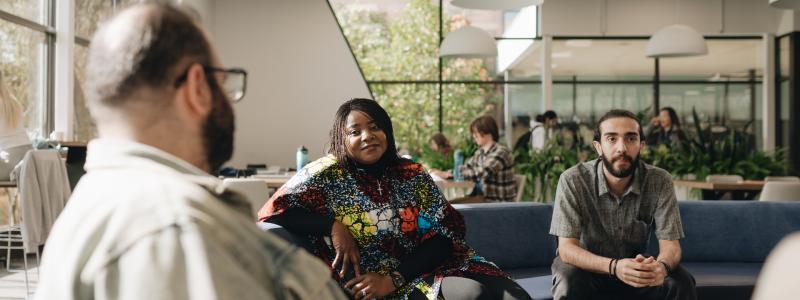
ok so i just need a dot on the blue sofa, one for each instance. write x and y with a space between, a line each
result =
725 246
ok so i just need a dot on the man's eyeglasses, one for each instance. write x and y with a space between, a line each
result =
234 82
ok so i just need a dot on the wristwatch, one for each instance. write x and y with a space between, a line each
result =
397 279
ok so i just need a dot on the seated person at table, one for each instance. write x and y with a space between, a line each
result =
492 165
386 219
603 214
440 144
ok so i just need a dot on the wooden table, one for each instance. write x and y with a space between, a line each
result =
745 190
452 188
455 189
455 184
275 181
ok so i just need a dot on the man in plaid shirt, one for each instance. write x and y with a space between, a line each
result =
491 167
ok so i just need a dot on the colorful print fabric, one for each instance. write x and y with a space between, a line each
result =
389 215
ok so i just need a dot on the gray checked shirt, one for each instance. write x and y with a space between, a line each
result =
586 209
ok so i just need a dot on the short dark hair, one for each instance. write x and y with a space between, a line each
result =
485 125
151 54
549 115
617 113
336 140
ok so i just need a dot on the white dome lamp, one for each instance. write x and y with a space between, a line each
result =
468 42
495 4
785 4
676 41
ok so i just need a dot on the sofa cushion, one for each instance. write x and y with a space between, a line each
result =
538 287
529 272
733 231
512 235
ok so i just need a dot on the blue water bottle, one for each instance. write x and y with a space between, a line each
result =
458 158
302 157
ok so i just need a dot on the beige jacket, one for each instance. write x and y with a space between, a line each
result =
143 224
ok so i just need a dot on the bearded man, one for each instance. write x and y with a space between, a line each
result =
148 220
604 212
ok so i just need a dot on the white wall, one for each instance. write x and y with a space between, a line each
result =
645 17
299 71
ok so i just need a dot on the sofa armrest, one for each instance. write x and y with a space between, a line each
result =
295 239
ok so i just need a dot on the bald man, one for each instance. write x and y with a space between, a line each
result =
147 221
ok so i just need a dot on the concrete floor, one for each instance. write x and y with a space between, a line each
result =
12 284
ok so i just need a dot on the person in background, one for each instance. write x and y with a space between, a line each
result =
666 128
392 233
148 221
491 167
544 131
524 140
440 144
14 142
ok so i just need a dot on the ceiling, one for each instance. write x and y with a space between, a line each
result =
624 58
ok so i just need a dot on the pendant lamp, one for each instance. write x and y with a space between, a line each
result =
468 41
785 4
676 41
495 4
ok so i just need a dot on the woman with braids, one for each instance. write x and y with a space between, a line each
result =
392 234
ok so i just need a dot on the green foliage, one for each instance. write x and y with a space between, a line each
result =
728 151
19 63
546 165
407 48
437 160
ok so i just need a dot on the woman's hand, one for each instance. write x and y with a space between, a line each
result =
346 249
370 285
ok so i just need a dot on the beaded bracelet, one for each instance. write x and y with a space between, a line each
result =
610 270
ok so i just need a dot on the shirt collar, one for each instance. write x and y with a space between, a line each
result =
635 187
491 149
119 153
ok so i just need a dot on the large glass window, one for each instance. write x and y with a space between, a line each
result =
414 111
724 86
83 126
33 10
396 44
89 14
782 114
525 103
23 53
392 40
462 103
